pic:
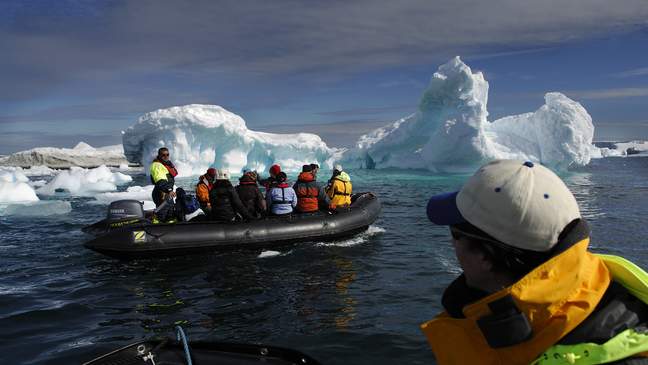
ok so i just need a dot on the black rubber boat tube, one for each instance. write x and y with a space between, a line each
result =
146 240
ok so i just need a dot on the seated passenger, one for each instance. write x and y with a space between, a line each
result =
250 195
204 186
281 198
224 200
307 191
339 189
274 171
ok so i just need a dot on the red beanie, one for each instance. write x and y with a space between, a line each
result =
211 172
275 169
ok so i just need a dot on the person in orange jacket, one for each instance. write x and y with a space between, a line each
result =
204 186
531 292
307 191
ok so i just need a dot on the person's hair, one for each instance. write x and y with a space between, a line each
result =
281 177
162 149
504 258
314 166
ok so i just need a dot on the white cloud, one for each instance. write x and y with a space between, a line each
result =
633 73
630 92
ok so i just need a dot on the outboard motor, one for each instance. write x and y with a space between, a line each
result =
124 212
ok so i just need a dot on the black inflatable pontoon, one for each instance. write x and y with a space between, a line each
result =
171 352
133 237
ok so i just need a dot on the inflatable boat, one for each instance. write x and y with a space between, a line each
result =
127 234
182 352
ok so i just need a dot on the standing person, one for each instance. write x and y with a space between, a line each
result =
339 189
225 202
204 186
250 195
163 174
307 191
530 291
281 198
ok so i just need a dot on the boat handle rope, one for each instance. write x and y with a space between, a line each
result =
182 337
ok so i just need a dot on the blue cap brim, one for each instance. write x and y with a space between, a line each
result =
442 209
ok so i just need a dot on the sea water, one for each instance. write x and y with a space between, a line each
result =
354 301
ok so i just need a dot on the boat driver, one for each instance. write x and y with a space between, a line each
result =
530 291
163 173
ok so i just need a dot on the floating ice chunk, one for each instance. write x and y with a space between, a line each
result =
36 209
201 136
132 192
39 170
14 187
450 130
266 254
85 182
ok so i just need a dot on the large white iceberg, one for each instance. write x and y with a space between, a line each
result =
82 155
451 131
202 136
85 182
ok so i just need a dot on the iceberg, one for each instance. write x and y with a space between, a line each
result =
450 130
82 155
203 136
85 182
14 187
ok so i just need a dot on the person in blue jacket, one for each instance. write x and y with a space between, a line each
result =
281 198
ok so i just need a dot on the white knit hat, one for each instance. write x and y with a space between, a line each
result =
521 204
222 174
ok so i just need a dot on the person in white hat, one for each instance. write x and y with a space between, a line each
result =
530 291
339 189
225 201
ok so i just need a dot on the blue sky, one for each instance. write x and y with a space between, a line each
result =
85 70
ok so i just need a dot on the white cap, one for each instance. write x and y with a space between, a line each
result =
521 204
222 174
338 167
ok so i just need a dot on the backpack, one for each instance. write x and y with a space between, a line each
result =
189 206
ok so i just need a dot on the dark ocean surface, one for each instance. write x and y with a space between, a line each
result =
357 301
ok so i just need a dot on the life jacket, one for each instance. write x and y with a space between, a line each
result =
339 191
628 343
172 172
283 200
517 324
202 190
307 192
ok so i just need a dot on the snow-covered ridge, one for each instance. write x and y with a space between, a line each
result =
451 131
82 155
201 136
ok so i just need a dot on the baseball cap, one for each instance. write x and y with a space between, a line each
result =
338 167
521 204
211 171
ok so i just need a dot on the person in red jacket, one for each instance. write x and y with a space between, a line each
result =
307 191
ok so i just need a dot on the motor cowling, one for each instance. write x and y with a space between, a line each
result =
125 212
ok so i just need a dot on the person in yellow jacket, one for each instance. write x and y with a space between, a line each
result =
339 189
530 291
163 173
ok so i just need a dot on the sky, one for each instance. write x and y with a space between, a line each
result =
75 70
